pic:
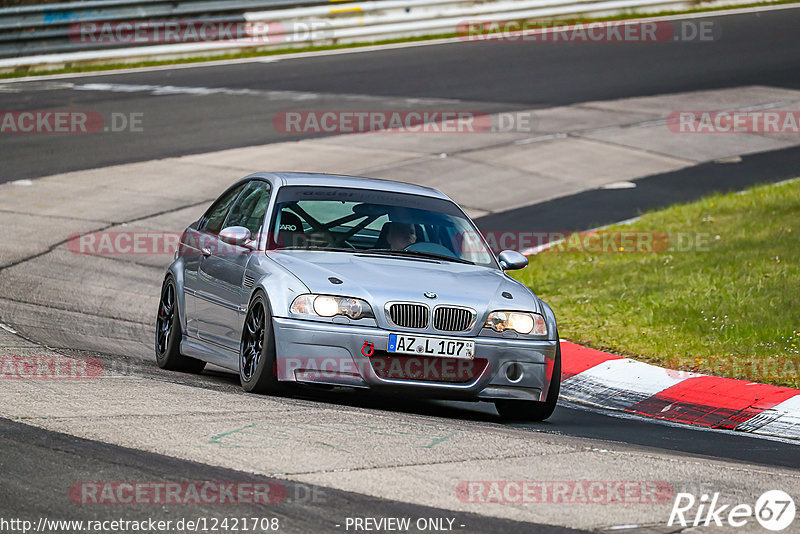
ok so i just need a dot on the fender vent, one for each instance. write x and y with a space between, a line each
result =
249 281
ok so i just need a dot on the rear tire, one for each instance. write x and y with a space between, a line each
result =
516 410
257 368
168 333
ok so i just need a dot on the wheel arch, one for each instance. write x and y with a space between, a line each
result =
175 270
259 288
550 319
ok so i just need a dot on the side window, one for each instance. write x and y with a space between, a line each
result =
215 216
250 207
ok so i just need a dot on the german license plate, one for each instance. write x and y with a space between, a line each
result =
431 346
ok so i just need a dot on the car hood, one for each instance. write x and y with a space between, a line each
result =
380 279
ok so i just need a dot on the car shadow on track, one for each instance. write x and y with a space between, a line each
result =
219 379
342 396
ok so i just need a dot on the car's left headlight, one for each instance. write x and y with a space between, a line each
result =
330 305
520 322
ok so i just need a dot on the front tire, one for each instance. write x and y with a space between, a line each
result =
516 410
257 349
168 333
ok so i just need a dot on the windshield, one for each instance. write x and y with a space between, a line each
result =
375 222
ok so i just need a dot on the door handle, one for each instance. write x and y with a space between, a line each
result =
206 251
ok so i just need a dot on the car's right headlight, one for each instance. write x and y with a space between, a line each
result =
330 306
520 322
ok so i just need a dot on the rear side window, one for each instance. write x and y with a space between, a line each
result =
216 214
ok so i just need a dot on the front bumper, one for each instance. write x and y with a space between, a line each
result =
329 353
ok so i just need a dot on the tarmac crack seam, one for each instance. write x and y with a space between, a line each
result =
733 468
98 417
56 308
143 467
54 246
672 456
423 464
67 217
131 262
577 134
638 124
592 106
637 149
638 454
32 341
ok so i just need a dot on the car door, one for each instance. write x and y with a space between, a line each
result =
198 241
221 299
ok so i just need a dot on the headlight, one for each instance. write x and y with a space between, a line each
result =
329 306
520 322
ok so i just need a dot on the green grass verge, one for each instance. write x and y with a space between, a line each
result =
39 70
729 305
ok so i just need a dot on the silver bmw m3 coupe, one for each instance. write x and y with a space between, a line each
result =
344 281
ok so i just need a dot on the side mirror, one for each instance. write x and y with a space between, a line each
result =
235 235
511 260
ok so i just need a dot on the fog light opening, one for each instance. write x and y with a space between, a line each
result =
514 372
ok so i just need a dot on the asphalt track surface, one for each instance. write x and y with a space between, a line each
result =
752 49
598 207
761 49
58 460
40 466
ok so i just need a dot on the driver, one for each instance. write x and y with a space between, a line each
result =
401 235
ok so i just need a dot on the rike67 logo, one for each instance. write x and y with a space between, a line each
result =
774 510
